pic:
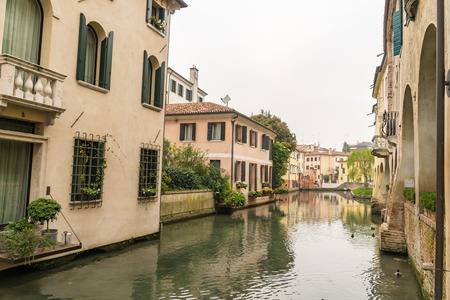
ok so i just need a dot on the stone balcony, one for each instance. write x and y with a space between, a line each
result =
380 147
30 87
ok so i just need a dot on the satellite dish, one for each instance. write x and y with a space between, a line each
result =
226 99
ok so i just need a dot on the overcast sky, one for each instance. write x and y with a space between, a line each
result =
310 62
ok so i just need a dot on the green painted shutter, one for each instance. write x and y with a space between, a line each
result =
209 131
148 14
244 134
159 85
108 61
222 132
194 129
145 95
103 54
182 132
82 40
243 175
397 30
162 14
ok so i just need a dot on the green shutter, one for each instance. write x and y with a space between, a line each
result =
193 131
182 132
244 134
103 54
145 95
106 61
397 30
210 131
222 136
82 39
148 14
243 171
159 85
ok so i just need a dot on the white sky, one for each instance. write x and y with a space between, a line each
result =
311 62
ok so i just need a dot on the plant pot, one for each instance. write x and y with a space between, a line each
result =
50 235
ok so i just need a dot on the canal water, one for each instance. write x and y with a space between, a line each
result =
298 248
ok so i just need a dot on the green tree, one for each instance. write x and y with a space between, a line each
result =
346 147
280 162
360 164
284 134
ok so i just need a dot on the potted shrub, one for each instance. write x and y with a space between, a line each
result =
45 210
91 192
241 185
234 199
148 192
265 185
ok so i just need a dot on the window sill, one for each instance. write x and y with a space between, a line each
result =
156 30
152 107
86 203
187 141
93 87
215 141
148 199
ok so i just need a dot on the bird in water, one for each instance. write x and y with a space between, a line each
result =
397 273
352 235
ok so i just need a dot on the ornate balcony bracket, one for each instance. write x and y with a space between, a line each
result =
380 147
30 86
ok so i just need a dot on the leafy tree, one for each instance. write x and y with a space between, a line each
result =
346 147
284 134
360 164
280 162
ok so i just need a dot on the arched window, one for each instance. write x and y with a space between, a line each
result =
91 55
23 27
153 81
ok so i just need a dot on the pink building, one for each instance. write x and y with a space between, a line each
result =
241 147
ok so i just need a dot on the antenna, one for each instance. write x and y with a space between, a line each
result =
226 99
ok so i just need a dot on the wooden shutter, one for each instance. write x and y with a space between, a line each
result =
159 85
244 134
210 131
182 132
82 40
243 164
106 61
145 95
222 132
256 139
255 172
397 29
148 14
194 129
236 171
270 149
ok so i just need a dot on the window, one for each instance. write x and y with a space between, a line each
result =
22 29
153 81
307 167
241 134
89 68
173 86
215 163
266 142
88 168
156 16
200 99
148 173
216 131
188 95
315 158
180 90
253 138
187 132
307 159
239 171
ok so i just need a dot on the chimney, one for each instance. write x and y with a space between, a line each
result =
194 81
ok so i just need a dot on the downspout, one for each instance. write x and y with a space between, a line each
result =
440 137
233 121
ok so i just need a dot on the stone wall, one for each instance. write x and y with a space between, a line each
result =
420 239
177 206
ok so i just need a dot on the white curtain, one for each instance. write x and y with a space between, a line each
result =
91 53
15 162
22 34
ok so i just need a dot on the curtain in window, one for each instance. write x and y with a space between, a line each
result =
14 179
22 34
91 55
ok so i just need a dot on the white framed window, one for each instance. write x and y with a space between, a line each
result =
180 90
173 86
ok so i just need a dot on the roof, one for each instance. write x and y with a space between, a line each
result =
182 3
316 150
204 108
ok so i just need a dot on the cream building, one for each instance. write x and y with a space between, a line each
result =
231 140
183 90
406 138
81 113
294 171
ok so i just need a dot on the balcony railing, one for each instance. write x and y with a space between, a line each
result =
390 124
28 85
380 147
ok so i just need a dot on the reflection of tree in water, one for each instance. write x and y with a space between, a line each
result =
228 258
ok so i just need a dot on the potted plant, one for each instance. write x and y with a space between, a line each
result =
241 185
91 192
45 210
158 24
265 185
148 192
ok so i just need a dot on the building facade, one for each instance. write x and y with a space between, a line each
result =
64 67
182 90
233 142
294 172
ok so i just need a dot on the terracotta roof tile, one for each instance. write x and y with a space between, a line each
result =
196 108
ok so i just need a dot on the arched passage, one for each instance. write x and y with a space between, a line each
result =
427 112
407 142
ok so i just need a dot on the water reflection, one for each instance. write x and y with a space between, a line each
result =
300 248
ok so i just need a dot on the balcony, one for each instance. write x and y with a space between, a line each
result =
390 126
380 147
30 86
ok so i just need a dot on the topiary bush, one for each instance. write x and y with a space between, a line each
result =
409 195
43 210
234 199
428 200
182 178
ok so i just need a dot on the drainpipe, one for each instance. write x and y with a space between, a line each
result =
440 137
233 121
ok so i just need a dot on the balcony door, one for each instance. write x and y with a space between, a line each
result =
23 27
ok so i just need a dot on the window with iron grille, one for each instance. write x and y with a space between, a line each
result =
148 173
88 168
188 95
173 86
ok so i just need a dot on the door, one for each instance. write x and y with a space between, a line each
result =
15 166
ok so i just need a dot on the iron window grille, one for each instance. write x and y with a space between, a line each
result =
88 169
148 172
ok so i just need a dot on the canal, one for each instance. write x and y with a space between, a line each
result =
299 248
